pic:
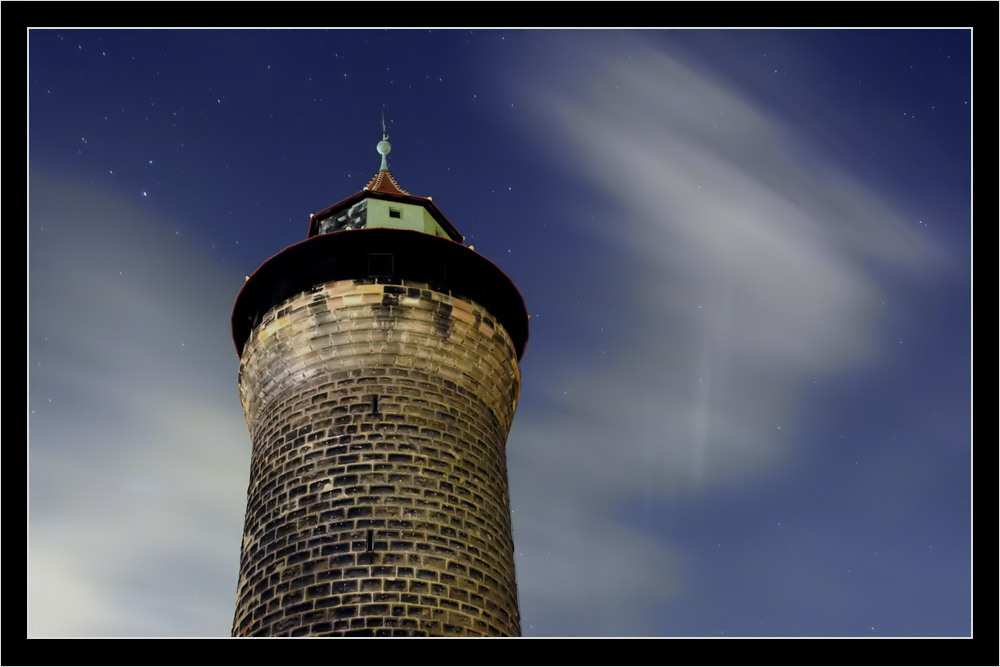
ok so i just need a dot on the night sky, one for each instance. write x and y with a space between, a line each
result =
745 405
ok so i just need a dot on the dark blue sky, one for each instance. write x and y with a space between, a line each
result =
746 396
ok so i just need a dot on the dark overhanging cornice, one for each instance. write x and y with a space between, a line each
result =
415 256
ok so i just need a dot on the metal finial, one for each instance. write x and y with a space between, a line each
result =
383 146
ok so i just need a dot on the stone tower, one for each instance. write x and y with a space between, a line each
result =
379 377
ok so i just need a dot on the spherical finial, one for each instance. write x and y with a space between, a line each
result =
383 148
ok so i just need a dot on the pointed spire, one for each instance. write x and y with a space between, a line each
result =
383 180
383 146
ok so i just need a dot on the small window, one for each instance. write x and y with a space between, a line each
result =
393 213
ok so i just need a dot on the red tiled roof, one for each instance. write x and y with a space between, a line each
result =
385 183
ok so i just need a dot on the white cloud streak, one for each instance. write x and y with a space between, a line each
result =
138 454
758 259
758 263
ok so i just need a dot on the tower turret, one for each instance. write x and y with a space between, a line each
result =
379 377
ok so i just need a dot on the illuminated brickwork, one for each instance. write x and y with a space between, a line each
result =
378 498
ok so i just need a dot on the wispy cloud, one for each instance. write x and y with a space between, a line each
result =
754 265
138 454
758 259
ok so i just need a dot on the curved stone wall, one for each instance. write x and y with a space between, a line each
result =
378 499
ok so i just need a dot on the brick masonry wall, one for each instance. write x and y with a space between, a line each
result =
378 500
